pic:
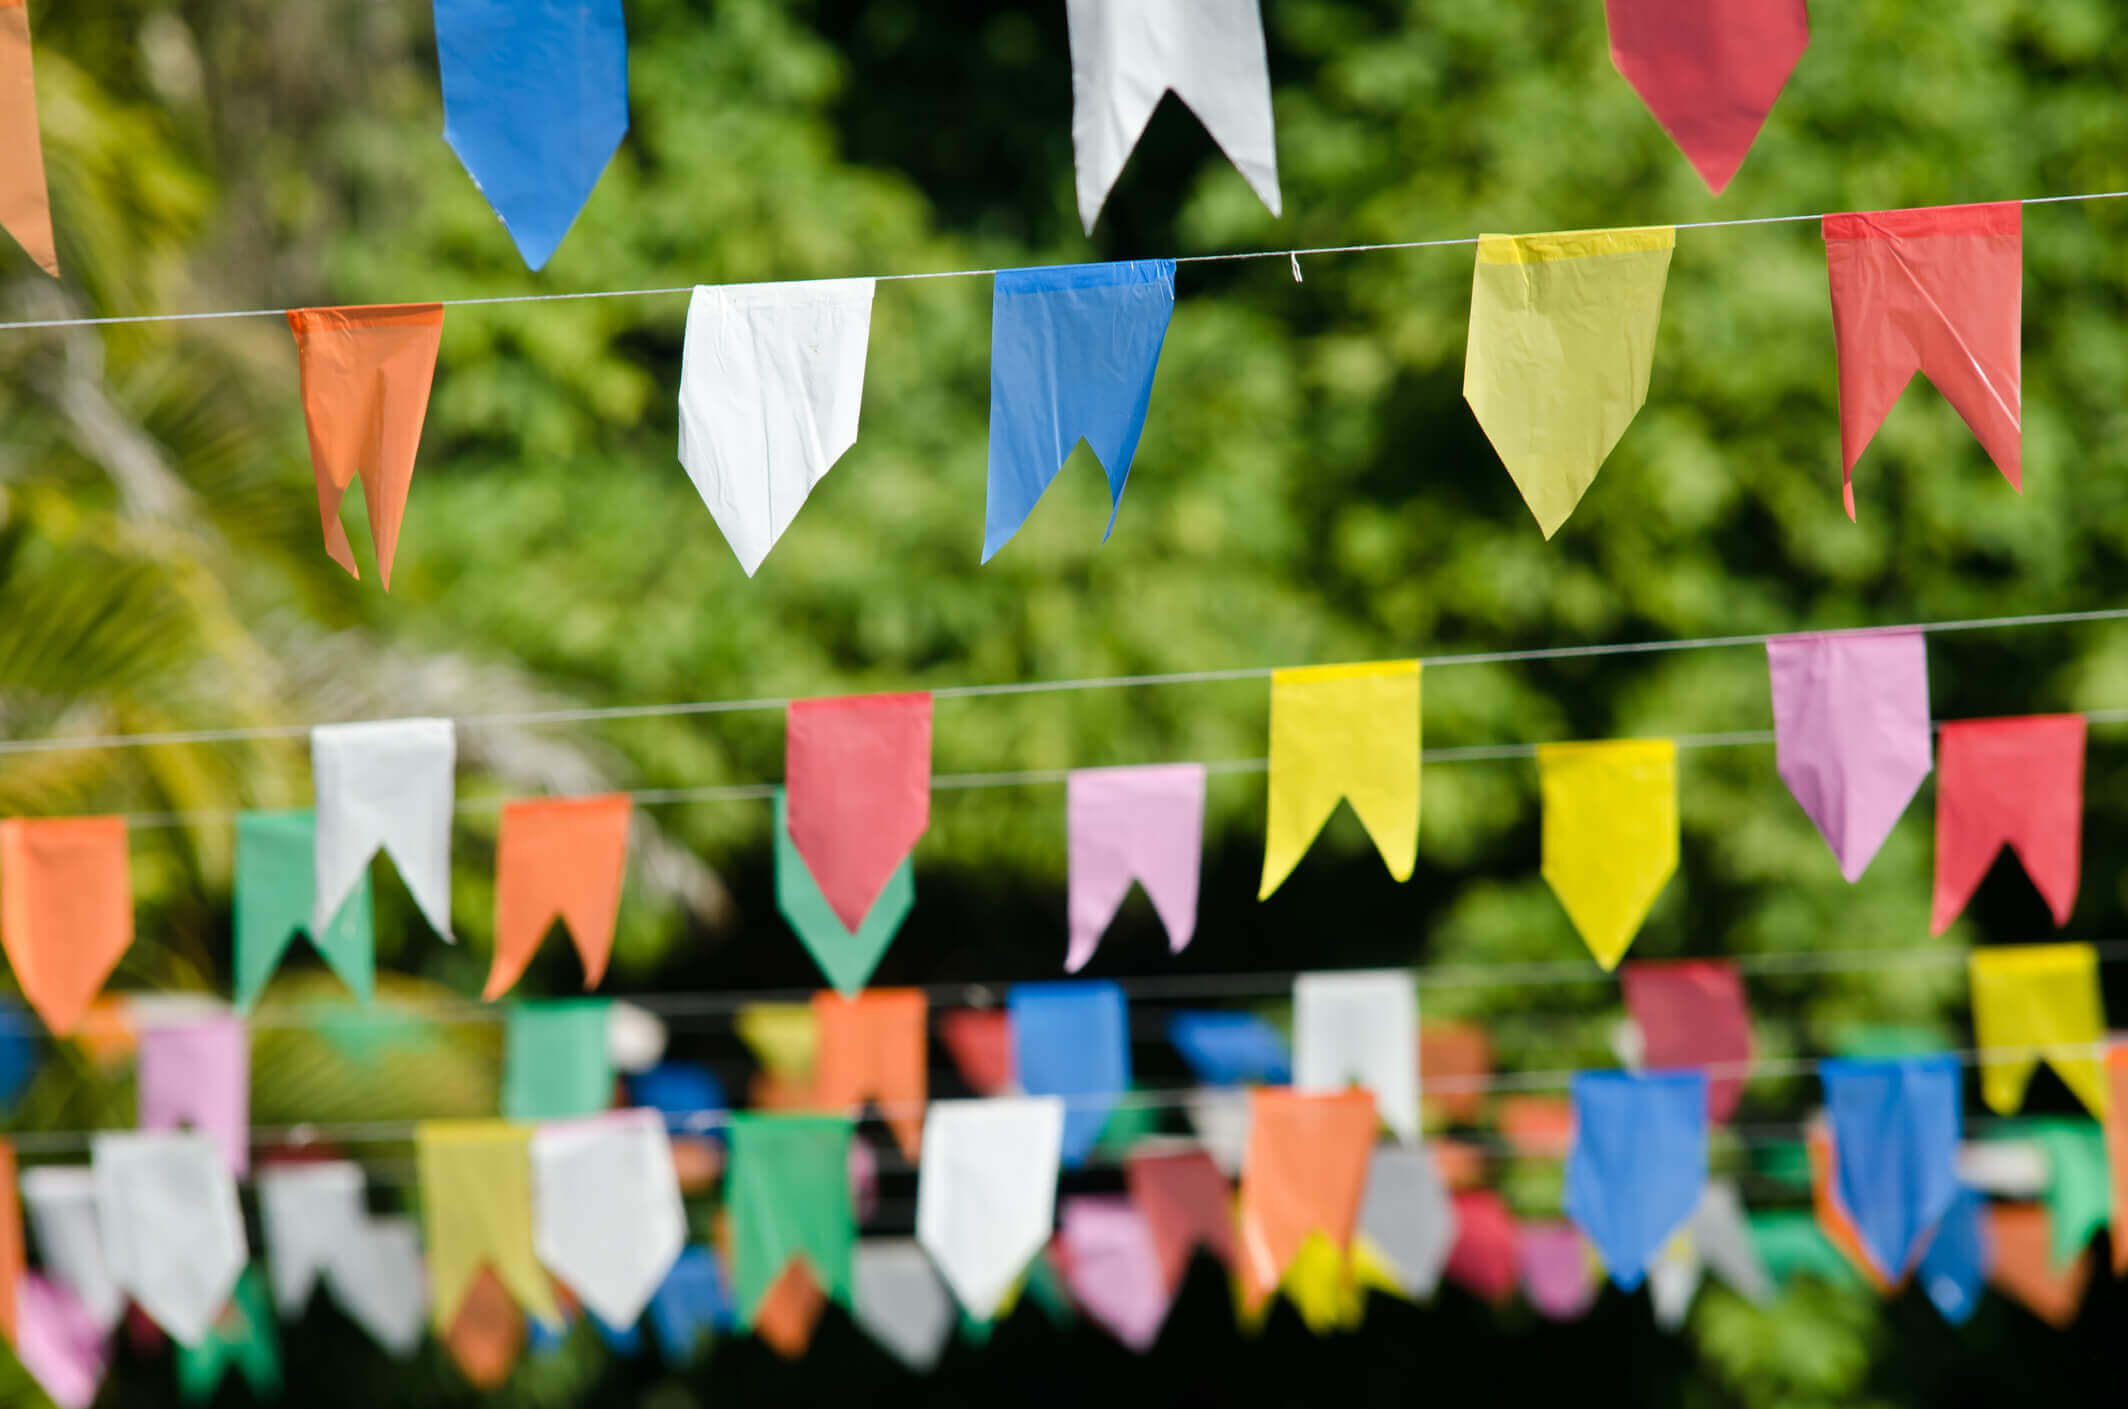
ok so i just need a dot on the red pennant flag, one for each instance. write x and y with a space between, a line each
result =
366 375
1709 70
1938 291
560 857
1305 1173
1187 1204
66 910
871 1048
25 203
980 1042
1487 1258
2015 781
1691 1013
857 772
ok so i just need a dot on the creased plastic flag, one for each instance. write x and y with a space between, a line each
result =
1457 1058
66 910
555 1060
1485 1260
606 1215
65 1349
1343 731
2018 782
847 958
788 1194
1558 1272
1231 1049
1721 1238
1851 733
1072 353
25 201
172 1232
276 882
1409 1217
872 1049
1639 1163
2024 1269
243 1338
1691 1013
1222 1120
198 1073
1561 346
1306 1172
1673 1282
790 1311
1709 70
2078 1183
1113 1268
535 103
563 859
857 774
1955 1267
1791 1243
2034 1001
1073 1040
12 1252
783 1037
1125 824
1610 835
901 1302
2116 1132
1895 1127
317 1229
1126 55
1361 1029
1829 1208
1188 1206
986 1194
690 1306
1938 291
980 1042
21 1052
487 1336
60 1201
386 785
476 1204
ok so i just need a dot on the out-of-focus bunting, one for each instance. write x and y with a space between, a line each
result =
13 1255
2116 1131
1709 70
1125 56
1851 733
1361 1029
66 910
1639 1163
1457 1057
1484 1260
1306 1172
986 1193
243 1338
1187 1205
2024 1270
901 1302
606 1214
1721 1236
1125 824
1409 1218
1895 1129
1222 1120
1073 1040
559 858
1829 1207
771 381
476 1204
690 1306
1112 1267
857 773
487 1336
2078 1184
1790 1244
276 884
1673 1281
535 103
1955 1267
980 1042
198 1073
872 1048
1558 1272
387 785
317 1229
1343 731
60 1343
25 201
847 958
1610 835
2018 782
1231 1049
2038 1001
61 1204
788 1196
1938 291
173 1234
555 1059
790 1311
785 1040
1561 345
1691 1013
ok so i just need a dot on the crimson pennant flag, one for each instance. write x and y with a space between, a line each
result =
1709 70
2018 782
857 772
1691 1015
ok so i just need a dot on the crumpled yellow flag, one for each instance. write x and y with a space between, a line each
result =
2044 997
1328 1288
476 1207
1610 834
1562 339
782 1036
1343 731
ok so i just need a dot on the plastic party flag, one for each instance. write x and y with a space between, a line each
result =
1721 1237
689 1306
317 1228
243 1338
1673 1282
1113 1268
606 1214
276 876
2018 782
1639 1163
1073 1040
198 1074
901 1302
561 859
1485 1260
1709 70
11 1245
872 1048
2024 1268
1558 1274
1306 1172
1361 1029
1231 1049
790 1311
1072 353
476 1201
62 1346
66 910
1791 1243
2032 1001
1143 824
1561 346
1343 731
1610 835
60 1201
2116 1132
1938 291
173 1234
783 1037
555 1060
980 1042
1409 1217
535 102
858 775
1895 1126
1691 1013
1829 1208
487 1335
1955 1267
1851 733
986 1193
1457 1057
1187 1205
846 958
385 785
788 1194
2078 1183
25 202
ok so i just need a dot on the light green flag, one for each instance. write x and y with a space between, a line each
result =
846 959
275 883
788 1195
555 1060
1790 1244
243 1337
2079 1188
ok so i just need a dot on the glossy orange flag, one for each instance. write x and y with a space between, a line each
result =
2024 1270
366 376
66 910
25 204
488 1334
871 1048
10 1240
2117 1149
1306 1172
558 858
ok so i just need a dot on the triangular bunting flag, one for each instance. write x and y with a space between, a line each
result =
1361 1029
1895 1128
386 785
1125 824
980 1042
66 910
847 958
1072 354
1721 1237
858 775
2024 1270
1709 70
1639 1163
2034 1002
783 1037
316 1226
986 1194
276 883
382 1282
25 202
1955 1267
872 1049
476 1201
61 1204
2078 1184
172 1232
11 1245
606 1215
1343 731
1113 1268
1938 291
1409 1216
901 1302
1073 1040
1673 1281
1558 1273
1187 1205
1691 1013
790 1311
1829 1208
1457 1058
1306 1172
487 1336
1485 1261
556 1062
1231 1049
1222 1120
2018 782
1610 835
65 1349
535 103
2116 1130
561 859
243 1338
690 1306
1790 1244
198 1074
788 1196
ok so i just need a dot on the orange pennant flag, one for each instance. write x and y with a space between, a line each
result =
488 1333
2117 1149
1305 1173
25 203
2024 1270
871 1047
791 1310
10 1240
366 375
558 857
66 910
1457 1057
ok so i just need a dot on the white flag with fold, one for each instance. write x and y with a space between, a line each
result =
1361 1029
318 1228
61 1203
900 1301
172 1231
986 1194
606 1213
388 784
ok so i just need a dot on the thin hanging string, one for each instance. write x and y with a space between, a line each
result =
1286 254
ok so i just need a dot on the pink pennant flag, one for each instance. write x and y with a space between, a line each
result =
2009 781
1691 1013
1709 70
1851 733
1558 1276
1113 1268
857 772
1187 1204
1142 824
1485 1260
59 1342
198 1074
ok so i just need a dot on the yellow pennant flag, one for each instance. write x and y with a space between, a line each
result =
784 1037
1562 339
476 1205
1610 834
2043 998
1343 731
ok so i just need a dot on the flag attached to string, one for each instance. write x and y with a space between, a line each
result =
1851 733
66 910
1408 1216
1955 1267
1458 1060
2116 1132
606 1214
558 858
386 785
556 1059
788 1195
25 201
1691 1013
243 1338
276 882
1610 835
1125 824
986 1193
1709 70
12 1251
1231 1049
858 776
690 1306
172 1231
1188 1206
1561 346
2023 1267
1112 1267
2015 782
487 1336
476 1202
1361 1029
980 1042
1938 291
1638 1165
317 1229
2079 1186
901 1302
1673 1281
1558 1273
871 1048
1306 1172
1828 1207
61 1203
198 1073
1072 353
60 1343
1485 1260
1895 1131
847 957
1721 1237
2043 999
1343 731
1073 1040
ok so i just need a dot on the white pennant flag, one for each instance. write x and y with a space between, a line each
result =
172 1231
1361 1029
1127 54
383 1284
1409 1216
61 1203
901 1303
1673 1280
606 1214
1222 1120
986 1194
771 380
317 1227
386 784
1721 1238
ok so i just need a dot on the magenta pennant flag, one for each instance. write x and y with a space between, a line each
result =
1558 1274
1709 70
1113 1268
857 774
1851 733
197 1073
1142 824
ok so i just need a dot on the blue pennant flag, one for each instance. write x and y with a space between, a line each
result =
1072 353
687 1094
1232 1049
20 1054
1955 1267
1895 1131
535 102
1639 1163
690 1304
624 1341
1073 1040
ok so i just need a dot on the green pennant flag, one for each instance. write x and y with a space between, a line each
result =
275 885
555 1061
1046 1290
1129 1123
1790 1244
787 1192
244 1336
847 959
2079 1189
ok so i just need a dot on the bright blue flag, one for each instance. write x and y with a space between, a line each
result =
20 1053
1955 1267
689 1305
1072 1040
535 102
1072 353
1895 1130
1638 1165
687 1094
624 1341
1232 1049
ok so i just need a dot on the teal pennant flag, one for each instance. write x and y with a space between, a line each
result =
556 1065
242 1338
846 959
788 1195
275 877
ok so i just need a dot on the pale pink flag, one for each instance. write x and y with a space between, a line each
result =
1558 1275
59 1342
1113 1269
1143 824
197 1074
